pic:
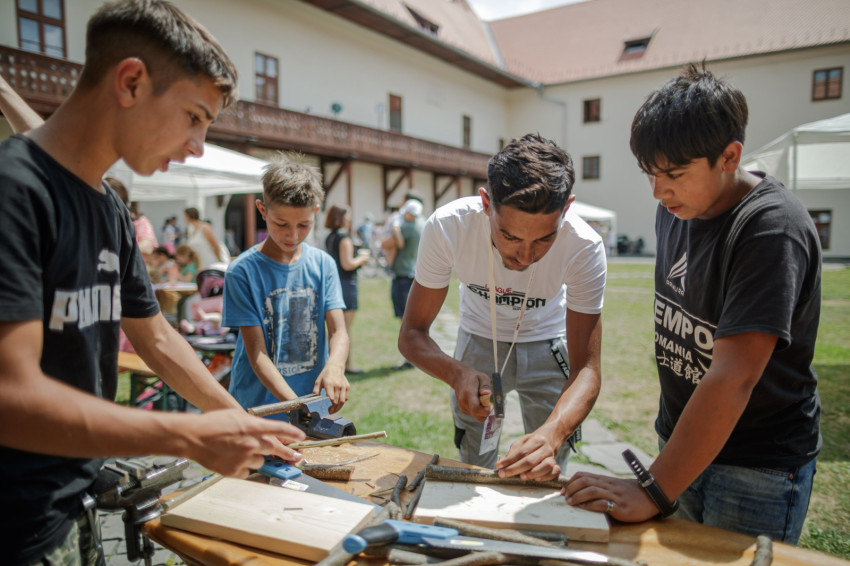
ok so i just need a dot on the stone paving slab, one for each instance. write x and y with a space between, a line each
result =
610 456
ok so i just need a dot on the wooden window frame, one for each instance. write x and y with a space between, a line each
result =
42 20
395 113
829 85
591 167
823 235
592 110
268 80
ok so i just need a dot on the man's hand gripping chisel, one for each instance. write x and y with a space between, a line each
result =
430 536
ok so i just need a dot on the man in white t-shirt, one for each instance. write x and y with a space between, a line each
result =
548 269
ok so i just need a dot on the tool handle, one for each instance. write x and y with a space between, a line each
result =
275 468
275 408
498 396
391 531
379 535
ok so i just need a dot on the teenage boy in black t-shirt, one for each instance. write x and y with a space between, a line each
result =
153 81
737 305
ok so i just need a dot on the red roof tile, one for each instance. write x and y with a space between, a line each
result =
585 40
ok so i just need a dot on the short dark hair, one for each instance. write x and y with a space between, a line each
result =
171 44
336 213
692 116
531 174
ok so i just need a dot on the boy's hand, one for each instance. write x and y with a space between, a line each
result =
629 502
232 442
531 457
336 386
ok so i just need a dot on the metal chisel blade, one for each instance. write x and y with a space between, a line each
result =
470 544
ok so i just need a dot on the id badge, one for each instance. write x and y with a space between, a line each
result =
490 433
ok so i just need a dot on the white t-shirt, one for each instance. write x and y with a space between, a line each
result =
570 275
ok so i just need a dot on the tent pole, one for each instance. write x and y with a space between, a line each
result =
794 170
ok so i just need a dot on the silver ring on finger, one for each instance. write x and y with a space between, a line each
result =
610 507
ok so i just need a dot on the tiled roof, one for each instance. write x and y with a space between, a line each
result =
446 29
458 24
585 40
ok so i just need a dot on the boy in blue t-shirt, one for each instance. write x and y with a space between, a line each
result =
281 293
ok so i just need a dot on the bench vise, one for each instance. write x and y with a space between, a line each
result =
128 485
312 414
315 419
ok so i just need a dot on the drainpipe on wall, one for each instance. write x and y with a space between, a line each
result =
563 105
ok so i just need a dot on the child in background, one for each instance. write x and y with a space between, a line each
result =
186 269
282 293
160 265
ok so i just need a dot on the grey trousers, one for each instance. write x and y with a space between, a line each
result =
531 370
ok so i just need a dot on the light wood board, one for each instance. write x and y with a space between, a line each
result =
293 523
512 507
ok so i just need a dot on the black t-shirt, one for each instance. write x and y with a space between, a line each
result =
755 268
71 260
332 245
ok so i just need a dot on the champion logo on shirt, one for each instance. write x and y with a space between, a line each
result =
676 276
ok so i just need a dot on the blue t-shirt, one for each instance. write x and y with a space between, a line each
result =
289 302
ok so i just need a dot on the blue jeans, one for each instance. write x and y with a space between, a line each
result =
398 292
750 501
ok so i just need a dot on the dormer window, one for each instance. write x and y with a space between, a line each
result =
634 48
424 23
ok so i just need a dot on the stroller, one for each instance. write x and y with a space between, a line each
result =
214 344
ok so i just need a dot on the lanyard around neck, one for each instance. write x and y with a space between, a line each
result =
492 295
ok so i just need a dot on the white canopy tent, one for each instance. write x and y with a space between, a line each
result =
218 172
814 161
812 156
605 220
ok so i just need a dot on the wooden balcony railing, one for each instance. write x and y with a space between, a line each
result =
45 82
268 126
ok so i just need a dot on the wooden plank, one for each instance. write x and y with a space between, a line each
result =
293 523
514 507
128 361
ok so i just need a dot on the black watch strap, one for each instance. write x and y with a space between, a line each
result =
647 482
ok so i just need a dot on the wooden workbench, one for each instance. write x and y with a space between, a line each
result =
658 543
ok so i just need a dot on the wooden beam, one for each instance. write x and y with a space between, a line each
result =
345 167
249 217
389 189
440 191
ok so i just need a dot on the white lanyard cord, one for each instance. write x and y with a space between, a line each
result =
492 295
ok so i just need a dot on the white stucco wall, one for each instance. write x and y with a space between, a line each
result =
324 59
838 202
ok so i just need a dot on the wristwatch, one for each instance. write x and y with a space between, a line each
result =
647 482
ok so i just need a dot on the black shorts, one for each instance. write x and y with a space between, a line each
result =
349 293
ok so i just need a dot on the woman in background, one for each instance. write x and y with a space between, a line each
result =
200 236
341 247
